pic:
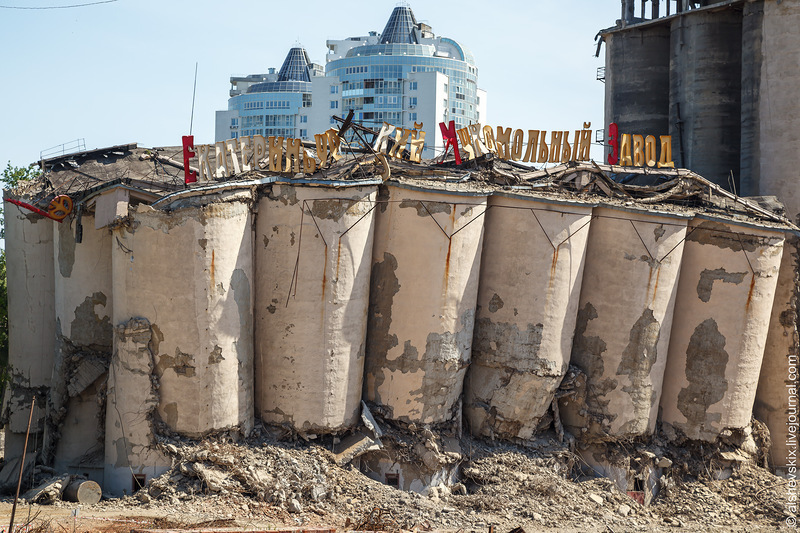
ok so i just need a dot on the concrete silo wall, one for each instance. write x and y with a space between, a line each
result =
424 285
31 328
775 405
183 343
624 318
313 253
705 94
530 282
130 448
728 281
637 80
188 273
770 145
83 312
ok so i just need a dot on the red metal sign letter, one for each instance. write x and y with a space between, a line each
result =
190 176
613 141
450 138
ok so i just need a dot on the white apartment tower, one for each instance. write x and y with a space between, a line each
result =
404 75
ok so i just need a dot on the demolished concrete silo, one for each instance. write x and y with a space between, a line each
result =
313 255
201 310
623 326
183 316
530 283
727 286
83 312
131 455
424 287
31 328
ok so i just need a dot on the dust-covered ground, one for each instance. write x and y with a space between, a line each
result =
275 479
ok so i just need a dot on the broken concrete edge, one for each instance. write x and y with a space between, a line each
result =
255 183
70 358
456 189
163 434
248 195
9 474
17 397
639 466
369 420
50 490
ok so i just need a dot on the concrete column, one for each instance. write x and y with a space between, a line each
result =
775 139
531 273
31 316
727 287
622 332
313 259
424 287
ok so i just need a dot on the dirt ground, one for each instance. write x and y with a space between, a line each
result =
271 481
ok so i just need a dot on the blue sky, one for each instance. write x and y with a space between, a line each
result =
123 72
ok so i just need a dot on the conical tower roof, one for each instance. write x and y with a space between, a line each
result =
295 66
400 28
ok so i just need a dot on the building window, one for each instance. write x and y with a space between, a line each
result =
334 104
306 100
412 86
234 122
138 481
412 101
303 118
333 121
393 480
412 117
334 89
303 134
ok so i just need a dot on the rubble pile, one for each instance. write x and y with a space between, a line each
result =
275 477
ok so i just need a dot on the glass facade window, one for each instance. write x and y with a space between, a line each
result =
252 121
279 120
234 122
370 76
303 134
400 28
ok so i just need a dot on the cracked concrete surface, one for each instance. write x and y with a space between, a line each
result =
525 321
622 336
312 292
421 327
129 444
718 338
31 307
198 300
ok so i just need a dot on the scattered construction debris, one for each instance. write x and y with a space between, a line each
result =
364 312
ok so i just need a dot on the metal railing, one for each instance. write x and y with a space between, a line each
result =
78 145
